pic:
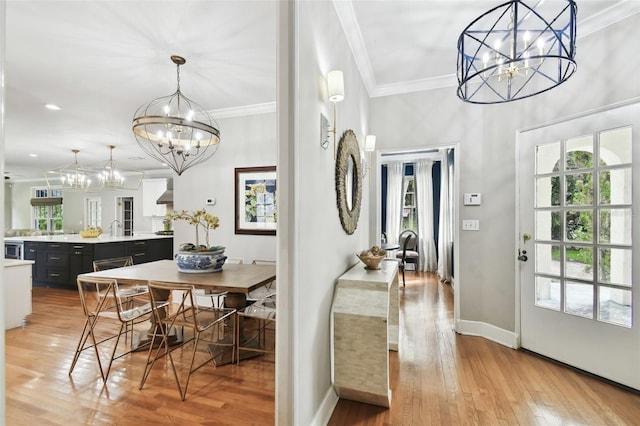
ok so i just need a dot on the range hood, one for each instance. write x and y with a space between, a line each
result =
167 196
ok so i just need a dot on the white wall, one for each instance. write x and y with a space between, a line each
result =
248 141
324 250
486 134
7 205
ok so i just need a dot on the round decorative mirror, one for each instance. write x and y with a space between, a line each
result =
348 181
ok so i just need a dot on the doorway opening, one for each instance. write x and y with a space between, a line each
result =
416 190
124 214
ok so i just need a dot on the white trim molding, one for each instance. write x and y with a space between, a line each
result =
347 16
326 408
243 111
488 331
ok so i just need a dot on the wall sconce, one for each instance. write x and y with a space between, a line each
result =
335 85
369 146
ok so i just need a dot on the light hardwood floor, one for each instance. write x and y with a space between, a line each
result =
441 378
39 390
437 378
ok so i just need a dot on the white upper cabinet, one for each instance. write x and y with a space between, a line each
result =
152 189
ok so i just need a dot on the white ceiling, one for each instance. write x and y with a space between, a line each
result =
101 60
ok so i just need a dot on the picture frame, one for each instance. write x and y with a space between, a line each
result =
255 200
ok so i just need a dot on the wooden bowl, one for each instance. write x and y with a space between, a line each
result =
372 261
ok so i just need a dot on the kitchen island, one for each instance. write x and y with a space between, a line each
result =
60 258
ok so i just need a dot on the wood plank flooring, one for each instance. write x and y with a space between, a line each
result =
441 378
437 378
39 390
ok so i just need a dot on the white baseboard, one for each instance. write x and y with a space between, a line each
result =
326 408
488 331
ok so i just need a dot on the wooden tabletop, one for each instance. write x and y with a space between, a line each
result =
233 278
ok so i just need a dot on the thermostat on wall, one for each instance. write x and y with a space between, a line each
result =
472 199
211 201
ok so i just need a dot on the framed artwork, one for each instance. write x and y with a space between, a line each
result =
256 195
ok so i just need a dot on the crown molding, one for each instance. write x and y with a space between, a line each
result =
351 29
440 82
346 15
242 111
609 16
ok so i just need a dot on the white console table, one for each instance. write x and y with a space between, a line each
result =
16 283
365 326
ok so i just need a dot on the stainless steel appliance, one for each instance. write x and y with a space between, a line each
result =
13 250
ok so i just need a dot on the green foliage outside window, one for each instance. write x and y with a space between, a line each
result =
48 218
579 192
409 208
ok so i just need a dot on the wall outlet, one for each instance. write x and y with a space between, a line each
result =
470 225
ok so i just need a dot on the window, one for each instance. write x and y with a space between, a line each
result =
409 208
583 236
47 209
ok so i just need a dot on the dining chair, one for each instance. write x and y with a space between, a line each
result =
124 307
112 263
217 296
408 241
256 328
184 314
264 291
116 262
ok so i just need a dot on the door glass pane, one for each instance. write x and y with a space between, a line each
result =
579 153
548 191
548 225
579 189
548 259
615 266
614 306
578 262
615 146
615 186
579 299
579 225
547 158
615 226
548 293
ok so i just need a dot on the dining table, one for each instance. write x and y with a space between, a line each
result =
235 279
238 279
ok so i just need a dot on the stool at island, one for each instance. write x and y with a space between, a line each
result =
364 327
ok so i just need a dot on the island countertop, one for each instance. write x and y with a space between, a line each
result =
77 238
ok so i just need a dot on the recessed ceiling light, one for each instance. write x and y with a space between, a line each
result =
33 155
136 158
52 107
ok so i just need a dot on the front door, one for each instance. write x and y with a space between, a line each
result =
579 208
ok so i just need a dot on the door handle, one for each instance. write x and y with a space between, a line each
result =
522 256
